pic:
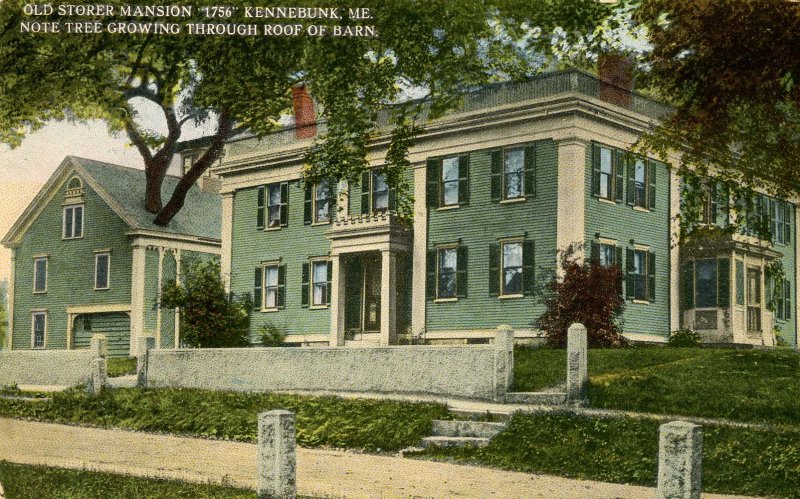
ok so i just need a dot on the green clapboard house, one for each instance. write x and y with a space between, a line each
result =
518 172
86 258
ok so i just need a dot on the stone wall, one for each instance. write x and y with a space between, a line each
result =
46 367
469 371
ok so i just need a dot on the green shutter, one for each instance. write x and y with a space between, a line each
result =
284 204
494 269
618 167
739 282
461 272
787 295
788 209
629 280
365 193
432 174
595 253
714 208
497 176
651 276
257 287
430 276
618 260
687 286
651 176
528 268
333 197
281 302
304 287
308 206
530 171
463 180
329 279
595 170
723 282
773 221
392 198
630 168
260 208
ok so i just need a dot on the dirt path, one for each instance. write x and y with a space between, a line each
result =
321 473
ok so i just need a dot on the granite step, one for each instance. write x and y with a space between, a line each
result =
475 429
454 442
536 398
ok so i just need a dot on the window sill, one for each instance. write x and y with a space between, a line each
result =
448 207
40 292
102 289
267 229
270 310
318 307
320 223
514 200
70 238
38 348
511 297
445 300
641 209
642 302
607 201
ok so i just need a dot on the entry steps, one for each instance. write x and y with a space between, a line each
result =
556 395
461 433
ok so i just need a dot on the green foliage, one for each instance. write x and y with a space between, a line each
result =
587 293
372 425
210 317
779 339
272 335
23 481
120 366
684 338
626 450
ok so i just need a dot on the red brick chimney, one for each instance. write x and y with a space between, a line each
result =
305 118
616 76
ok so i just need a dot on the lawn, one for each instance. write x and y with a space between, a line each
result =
742 384
370 425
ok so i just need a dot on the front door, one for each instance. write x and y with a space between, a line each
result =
371 308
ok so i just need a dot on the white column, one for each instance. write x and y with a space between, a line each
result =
418 302
177 310
337 302
571 200
388 297
674 251
226 235
137 296
159 286
11 286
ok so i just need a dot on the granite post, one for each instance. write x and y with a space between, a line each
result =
145 345
577 365
98 376
276 476
680 461
503 361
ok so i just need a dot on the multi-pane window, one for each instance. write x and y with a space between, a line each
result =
780 294
607 255
450 181
706 283
754 299
271 287
447 273
640 275
102 270
514 174
512 269
640 183
377 196
40 275
319 277
322 201
38 329
640 270
787 300
273 206
72 227
380 192
606 174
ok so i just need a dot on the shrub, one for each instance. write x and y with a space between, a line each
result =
684 338
586 293
210 317
272 335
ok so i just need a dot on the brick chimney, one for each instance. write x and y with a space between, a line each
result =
616 76
305 118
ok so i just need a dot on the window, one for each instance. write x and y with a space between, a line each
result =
787 300
376 195
780 294
780 214
739 282
640 269
316 285
753 300
320 202
40 275
639 184
73 222
606 254
606 173
38 329
450 181
511 267
447 271
271 286
272 206
706 283
514 173
640 275
269 290
102 270
380 192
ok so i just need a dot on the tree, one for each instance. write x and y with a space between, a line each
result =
587 293
210 317
729 67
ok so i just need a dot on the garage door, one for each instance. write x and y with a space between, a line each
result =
116 326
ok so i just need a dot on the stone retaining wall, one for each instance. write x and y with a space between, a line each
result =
46 367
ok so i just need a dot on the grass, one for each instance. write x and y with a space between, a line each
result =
746 385
735 461
34 482
370 425
120 366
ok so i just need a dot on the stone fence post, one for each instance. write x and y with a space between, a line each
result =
577 365
146 343
99 345
503 361
98 376
276 476
680 461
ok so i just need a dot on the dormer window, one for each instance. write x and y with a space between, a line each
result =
72 227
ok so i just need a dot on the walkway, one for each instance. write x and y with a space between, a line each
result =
321 473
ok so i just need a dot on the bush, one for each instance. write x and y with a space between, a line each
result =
272 335
587 293
684 338
210 317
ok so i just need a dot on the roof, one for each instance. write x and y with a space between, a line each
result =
123 189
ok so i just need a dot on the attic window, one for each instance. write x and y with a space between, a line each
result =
74 187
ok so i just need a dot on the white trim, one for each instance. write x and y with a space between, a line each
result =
46 271
11 288
419 271
158 295
64 221
100 308
97 256
226 233
177 241
177 309
264 266
138 267
571 199
34 313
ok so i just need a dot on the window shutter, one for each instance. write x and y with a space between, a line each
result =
595 170
329 287
618 260
618 167
687 286
281 302
773 221
595 253
651 176
723 282
770 292
433 173
463 180
530 171
365 192
497 176
304 287
787 294
308 207
257 286
333 197
651 276
392 198
714 208
260 208
494 269
430 277
284 204
629 273
630 167
528 268
461 272
787 219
